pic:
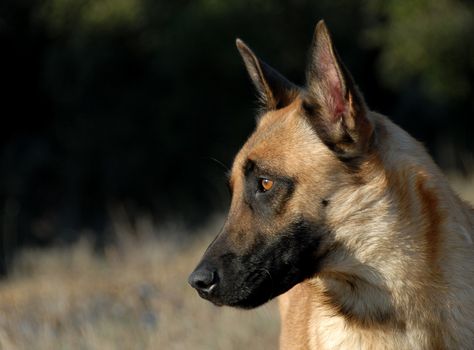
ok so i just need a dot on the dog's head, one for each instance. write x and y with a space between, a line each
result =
286 180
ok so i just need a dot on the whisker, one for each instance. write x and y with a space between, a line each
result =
220 163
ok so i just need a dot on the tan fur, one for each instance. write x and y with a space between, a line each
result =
401 224
398 269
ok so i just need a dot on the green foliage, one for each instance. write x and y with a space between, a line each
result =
87 15
432 41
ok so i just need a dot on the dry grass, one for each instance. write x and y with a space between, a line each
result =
135 297
464 186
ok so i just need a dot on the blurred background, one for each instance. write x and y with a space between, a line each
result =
120 118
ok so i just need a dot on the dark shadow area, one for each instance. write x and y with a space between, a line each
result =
133 105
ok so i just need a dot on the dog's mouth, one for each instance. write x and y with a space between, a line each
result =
267 269
210 295
242 297
244 290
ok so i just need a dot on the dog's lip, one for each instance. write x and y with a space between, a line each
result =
211 299
211 294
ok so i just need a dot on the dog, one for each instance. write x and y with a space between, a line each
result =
343 215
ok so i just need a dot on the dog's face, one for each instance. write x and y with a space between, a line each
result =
275 234
283 182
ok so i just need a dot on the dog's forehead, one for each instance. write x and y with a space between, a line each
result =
282 137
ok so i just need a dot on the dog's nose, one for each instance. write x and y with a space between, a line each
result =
203 279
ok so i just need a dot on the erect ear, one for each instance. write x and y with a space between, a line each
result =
333 103
274 90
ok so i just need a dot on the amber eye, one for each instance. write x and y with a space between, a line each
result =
265 184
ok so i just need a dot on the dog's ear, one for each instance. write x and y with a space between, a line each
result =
274 90
333 103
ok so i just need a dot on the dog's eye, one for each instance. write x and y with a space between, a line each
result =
264 184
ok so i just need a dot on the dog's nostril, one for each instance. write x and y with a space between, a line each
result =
203 283
203 279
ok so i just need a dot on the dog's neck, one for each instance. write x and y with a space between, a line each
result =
403 199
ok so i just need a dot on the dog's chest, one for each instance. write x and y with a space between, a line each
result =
306 323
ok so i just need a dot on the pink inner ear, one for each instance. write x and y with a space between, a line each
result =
339 106
330 79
